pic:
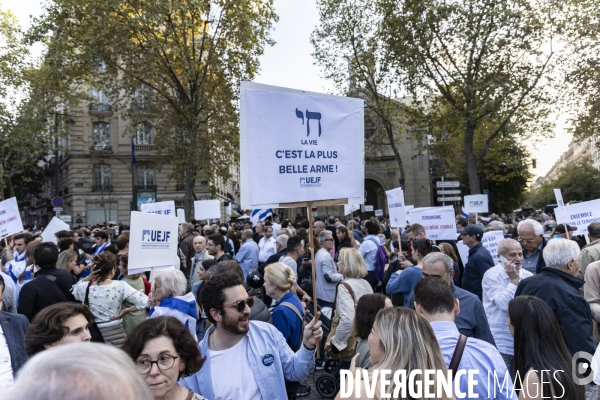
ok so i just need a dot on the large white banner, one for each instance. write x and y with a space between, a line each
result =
489 240
161 208
580 215
10 219
54 226
207 209
298 146
476 203
350 208
396 208
438 222
152 242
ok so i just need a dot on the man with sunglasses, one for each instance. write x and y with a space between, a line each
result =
531 237
246 359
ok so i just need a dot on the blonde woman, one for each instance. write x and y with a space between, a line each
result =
400 339
68 260
352 266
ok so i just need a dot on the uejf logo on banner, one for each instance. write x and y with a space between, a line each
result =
152 239
475 203
310 181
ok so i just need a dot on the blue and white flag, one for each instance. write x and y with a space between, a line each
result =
465 213
181 307
259 215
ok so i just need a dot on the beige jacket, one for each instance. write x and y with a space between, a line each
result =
591 290
589 254
345 307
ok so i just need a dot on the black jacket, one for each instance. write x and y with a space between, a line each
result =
41 292
480 260
14 327
561 292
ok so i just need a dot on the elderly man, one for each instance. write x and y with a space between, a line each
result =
266 245
247 256
480 259
499 286
531 237
497 226
201 255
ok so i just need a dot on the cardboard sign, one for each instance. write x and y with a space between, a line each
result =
297 146
54 226
207 209
161 208
396 208
477 203
580 215
10 219
152 242
350 208
489 240
438 222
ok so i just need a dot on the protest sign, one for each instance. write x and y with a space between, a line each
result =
162 208
311 147
408 209
207 209
181 215
438 222
489 240
152 242
477 203
350 208
54 226
580 215
560 214
396 208
10 219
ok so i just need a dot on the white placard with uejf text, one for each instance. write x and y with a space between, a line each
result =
152 242
161 208
476 203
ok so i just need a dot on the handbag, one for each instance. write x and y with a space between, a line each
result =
335 321
93 327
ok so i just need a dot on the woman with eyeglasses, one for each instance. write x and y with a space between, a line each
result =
404 281
163 351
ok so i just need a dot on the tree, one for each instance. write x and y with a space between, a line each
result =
176 63
488 59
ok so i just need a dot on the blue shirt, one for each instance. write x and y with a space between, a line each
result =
405 283
478 355
248 256
368 249
287 321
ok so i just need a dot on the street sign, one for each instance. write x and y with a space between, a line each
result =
443 192
443 199
367 208
447 184
57 201
57 209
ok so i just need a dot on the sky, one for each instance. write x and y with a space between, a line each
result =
289 63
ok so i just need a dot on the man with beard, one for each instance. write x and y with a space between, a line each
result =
246 359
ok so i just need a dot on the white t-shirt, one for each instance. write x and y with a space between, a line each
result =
231 373
6 372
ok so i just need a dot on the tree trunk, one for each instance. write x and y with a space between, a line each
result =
390 133
11 188
470 158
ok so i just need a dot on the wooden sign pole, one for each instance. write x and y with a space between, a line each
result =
311 239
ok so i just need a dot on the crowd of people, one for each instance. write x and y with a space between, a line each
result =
235 320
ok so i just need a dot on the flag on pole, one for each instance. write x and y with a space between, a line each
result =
133 160
259 215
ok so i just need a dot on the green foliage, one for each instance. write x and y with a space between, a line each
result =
578 182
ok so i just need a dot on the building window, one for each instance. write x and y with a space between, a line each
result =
144 134
102 182
100 101
139 98
101 136
145 177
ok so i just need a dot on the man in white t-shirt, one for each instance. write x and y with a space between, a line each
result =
246 359
266 245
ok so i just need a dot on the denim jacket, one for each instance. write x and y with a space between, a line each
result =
272 361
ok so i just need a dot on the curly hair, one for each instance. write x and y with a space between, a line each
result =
183 341
212 293
104 263
47 326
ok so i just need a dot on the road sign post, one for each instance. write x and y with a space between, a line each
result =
447 184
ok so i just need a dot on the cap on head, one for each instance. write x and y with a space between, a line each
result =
473 230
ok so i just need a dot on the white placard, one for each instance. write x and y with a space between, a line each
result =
54 226
310 146
161 208
350 208
476 203
438 222
152 242
561 206
379 213
10 219
408 209
396 208
580 215
181 215
489 240
207 209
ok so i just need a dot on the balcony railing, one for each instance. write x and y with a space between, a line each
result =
101 147
100 107
102 188
144 148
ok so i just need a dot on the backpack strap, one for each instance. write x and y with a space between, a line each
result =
458 353
86 300
291 307
349 289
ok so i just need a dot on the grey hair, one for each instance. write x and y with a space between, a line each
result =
432 258
558 253
319 224
324 235
260 225
496 226
172 282
188 227
538 229
248 233
60 371
282 240
503 245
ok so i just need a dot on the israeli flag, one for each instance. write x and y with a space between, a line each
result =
465 213
181 307
259 215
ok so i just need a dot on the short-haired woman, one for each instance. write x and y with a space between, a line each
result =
59 323
366 310
169 298
136 281
352 266
105 297
163 351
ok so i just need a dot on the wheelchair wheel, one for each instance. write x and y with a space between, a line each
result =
330 366
327 386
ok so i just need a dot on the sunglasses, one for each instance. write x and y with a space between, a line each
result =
241 304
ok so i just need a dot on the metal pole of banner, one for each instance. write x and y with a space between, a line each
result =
311 238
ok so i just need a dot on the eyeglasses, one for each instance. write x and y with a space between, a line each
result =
241 304
426 275
164 363
327 240
526 240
